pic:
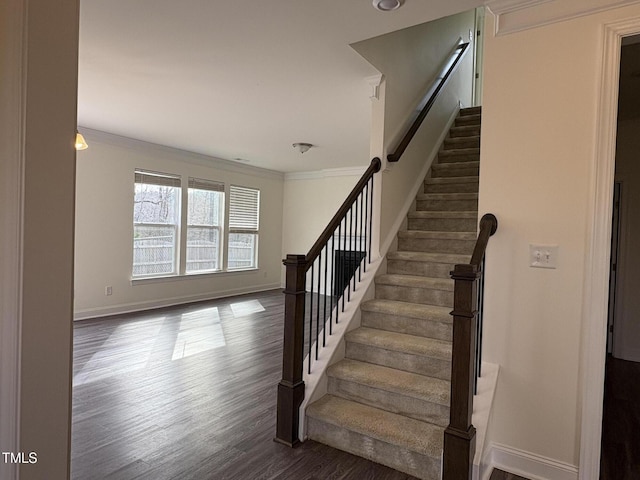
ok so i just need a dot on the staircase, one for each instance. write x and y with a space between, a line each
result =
388 400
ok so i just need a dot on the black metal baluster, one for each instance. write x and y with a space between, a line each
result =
350 251
318 305
365 196
343 261
310 317
360 239
371 218
324 312
333 280
479 321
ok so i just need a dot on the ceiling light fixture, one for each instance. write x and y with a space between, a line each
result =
302 147
81 143
387 5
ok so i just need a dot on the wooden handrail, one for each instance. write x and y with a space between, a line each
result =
459 436
327 233
488 226
404 143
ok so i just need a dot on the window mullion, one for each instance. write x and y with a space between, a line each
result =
225 229
182 230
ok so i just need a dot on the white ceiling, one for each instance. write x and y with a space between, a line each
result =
238 78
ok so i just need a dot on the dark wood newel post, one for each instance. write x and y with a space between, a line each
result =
460 435
291 387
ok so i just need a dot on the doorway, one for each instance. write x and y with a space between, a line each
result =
620 454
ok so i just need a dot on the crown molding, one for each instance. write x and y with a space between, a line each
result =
517 15
175 153
329 172
374 82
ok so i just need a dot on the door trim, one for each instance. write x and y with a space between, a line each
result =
596 276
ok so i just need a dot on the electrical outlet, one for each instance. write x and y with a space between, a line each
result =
543 256
108 290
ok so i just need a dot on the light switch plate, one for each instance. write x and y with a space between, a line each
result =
543 256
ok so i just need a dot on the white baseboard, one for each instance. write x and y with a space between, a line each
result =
528 465
167 302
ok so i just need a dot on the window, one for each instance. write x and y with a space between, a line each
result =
244 208
204 222
179 226
156 208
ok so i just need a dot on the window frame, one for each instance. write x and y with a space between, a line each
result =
181 226
147 177
248 230
206 185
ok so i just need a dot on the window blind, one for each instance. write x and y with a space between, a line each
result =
244 204
202 184
154 178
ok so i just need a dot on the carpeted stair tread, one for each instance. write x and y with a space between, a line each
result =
400 382
415 281
406 309
413 435
438 235
464 131
401 342
424 320
473 119
455 166
477 110
447 196
448 180
471 141
448 258
442 214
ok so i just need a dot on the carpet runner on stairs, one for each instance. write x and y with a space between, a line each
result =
388 400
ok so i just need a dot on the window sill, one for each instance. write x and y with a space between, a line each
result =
190 276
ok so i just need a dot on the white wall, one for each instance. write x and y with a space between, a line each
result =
310 202
104 227
540 112
38 54
627 327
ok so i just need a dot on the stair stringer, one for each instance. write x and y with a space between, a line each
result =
334 349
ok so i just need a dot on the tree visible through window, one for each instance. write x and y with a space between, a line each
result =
155 223
204 222
170 239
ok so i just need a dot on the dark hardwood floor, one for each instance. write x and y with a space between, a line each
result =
189 392
620 459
